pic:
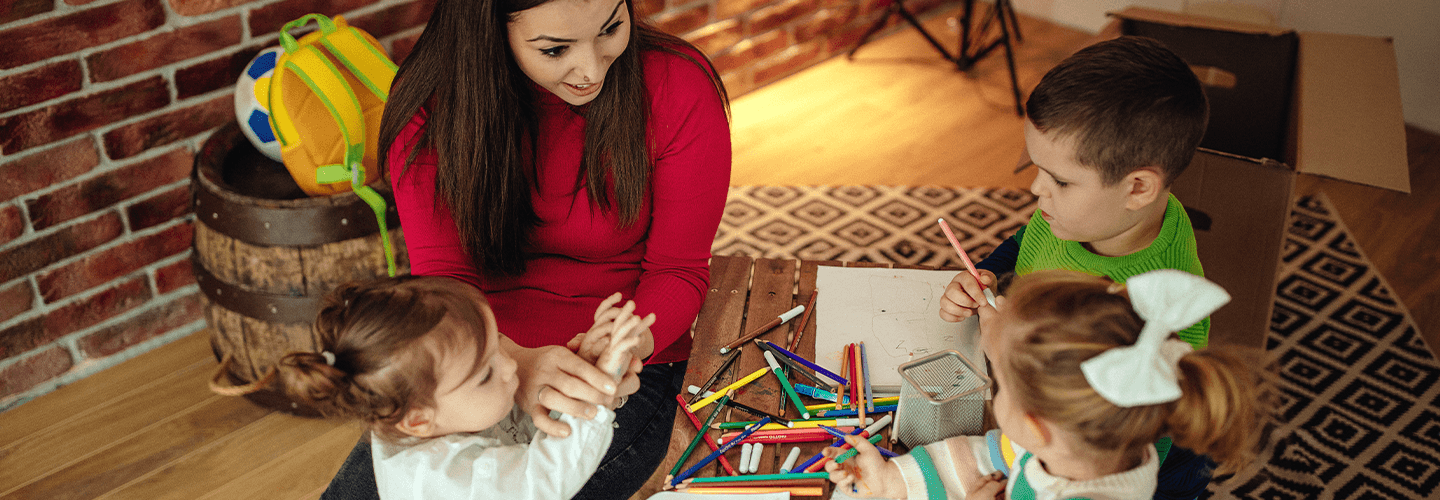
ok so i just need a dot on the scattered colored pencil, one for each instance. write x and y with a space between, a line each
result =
800 327
872 431
808 364
852 451
964 257
758 413
711 457
748 481
715 376
701 428
785 384
699 436
794 366
865 374
782 318
794 478
881 408
794 491
738 384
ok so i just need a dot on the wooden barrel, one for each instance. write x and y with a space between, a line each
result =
265 254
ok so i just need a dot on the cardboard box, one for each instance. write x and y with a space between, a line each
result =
1336 103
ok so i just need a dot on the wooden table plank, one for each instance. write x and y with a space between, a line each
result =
771 294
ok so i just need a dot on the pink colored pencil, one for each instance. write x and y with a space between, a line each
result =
954 242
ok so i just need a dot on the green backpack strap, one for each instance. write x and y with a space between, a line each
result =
328 84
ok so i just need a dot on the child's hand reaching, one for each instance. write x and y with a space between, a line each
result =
867 474
964 294
625 336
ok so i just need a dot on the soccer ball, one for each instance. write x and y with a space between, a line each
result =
252 97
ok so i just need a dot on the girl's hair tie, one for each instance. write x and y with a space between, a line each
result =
1146 373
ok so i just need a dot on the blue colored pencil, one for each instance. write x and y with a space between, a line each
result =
865 369
816 458
808 364
723 448
841 434
855 413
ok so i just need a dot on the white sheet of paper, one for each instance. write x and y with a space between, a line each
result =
896 312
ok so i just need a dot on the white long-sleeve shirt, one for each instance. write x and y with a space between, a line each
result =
511 460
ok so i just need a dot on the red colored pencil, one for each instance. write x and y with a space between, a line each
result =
708 442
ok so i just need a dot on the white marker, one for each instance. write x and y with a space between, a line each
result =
790 460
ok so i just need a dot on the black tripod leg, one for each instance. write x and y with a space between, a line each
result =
916 23
1010 59
1014 23
875 28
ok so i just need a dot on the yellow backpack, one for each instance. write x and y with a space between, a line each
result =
327 117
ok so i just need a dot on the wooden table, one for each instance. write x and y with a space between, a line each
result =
745 292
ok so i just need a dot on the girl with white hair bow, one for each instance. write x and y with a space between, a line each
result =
1089 377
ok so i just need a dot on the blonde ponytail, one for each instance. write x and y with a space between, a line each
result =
1221 411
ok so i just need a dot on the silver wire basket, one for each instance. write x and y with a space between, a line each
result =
942 395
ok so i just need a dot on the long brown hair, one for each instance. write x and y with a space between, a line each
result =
1062 318
483 118
377 333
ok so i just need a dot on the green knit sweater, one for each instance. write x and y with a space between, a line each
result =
1174 248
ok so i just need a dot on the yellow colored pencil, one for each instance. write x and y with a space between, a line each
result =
738 384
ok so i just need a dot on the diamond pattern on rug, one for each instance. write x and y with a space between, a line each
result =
1357 402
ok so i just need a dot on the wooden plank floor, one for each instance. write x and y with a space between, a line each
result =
897 115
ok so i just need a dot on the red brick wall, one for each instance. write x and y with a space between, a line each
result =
103 105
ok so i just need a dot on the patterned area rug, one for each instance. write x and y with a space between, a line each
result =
1359 412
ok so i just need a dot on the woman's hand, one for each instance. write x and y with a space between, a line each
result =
867 474
553 378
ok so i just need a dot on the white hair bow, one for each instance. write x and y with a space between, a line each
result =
1145 373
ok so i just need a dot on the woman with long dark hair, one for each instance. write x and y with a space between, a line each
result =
551 153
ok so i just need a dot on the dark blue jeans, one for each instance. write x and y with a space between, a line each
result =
639 445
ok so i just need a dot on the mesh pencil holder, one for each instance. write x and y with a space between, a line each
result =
942 395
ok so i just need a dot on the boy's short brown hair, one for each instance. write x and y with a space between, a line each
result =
1128 102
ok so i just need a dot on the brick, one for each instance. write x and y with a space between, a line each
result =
646 9
45 39
174 276
108 189
98 268
72 318
752 49
400 47
197 7
394 19
737 83
734 8
41 252
12 224
824 23
794 59
39 85
270 18
144 326
81 114
163 48
35 370
136 138
773 16
48 168
16 300
159 209
215 74
717 37
843 39
14 10
683 21
99 307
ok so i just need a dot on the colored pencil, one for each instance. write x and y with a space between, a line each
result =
794 366
715 376
865 374
795 424
964 257
808 364
814 459
711 457
872 431
800 327
782 318
852 451
758 413
785 384
699 436
794 491
841 434
759 477
786 437
856 381
882 408
747 481
738 384
701 428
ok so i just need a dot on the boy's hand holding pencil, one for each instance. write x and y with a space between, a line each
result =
964 295
866 475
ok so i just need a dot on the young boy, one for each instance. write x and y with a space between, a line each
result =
1109 128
